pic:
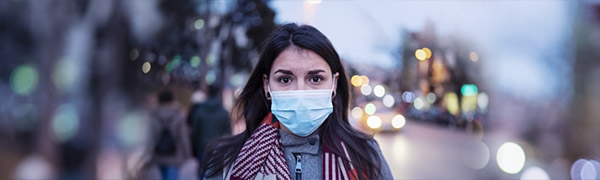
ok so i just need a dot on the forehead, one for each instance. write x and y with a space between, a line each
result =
299 60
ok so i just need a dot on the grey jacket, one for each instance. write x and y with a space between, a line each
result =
311 151
171 116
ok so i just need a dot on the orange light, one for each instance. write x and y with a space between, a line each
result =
356 80
427 52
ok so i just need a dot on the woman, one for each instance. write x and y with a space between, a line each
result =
295 105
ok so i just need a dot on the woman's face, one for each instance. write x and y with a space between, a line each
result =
299 69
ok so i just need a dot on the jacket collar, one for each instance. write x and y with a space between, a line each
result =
296 144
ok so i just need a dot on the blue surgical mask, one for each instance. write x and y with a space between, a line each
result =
301 111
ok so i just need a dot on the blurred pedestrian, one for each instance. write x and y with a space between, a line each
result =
295 105
209 121
169 136
198 98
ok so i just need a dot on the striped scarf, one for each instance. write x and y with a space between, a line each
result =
262 157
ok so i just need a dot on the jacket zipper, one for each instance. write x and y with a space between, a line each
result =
298 166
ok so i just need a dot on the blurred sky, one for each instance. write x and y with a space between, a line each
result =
523 43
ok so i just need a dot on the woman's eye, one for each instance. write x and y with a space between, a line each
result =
315 79
284 80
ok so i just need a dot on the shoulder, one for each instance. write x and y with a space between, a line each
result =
375 145
372 142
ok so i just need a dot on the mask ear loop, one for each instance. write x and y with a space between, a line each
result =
333 86
268 93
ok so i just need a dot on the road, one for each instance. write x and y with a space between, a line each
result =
422 151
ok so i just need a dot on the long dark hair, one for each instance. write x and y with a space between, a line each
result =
254 106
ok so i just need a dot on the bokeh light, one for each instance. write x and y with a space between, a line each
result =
469 104
427 52
65 75
24 79
419 103
482 101
211 76
365 80
211 59
146 67
365 89
430 98
510 157
534 173
469 90
408 96
452 105
398 121
357 112
237 80
374 122
585 169
195 61
370 109
379 91
420 54
174 63
356 81
473 56
388 100
199 24
65 122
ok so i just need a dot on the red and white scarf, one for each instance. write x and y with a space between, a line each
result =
262 156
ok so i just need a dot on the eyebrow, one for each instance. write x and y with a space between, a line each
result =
291 73
284 72
316 71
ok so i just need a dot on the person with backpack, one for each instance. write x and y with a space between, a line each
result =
169 144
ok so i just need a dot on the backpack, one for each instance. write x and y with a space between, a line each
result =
165 144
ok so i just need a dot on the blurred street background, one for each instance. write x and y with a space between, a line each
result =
450 89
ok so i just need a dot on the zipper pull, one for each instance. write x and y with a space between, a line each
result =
298 166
